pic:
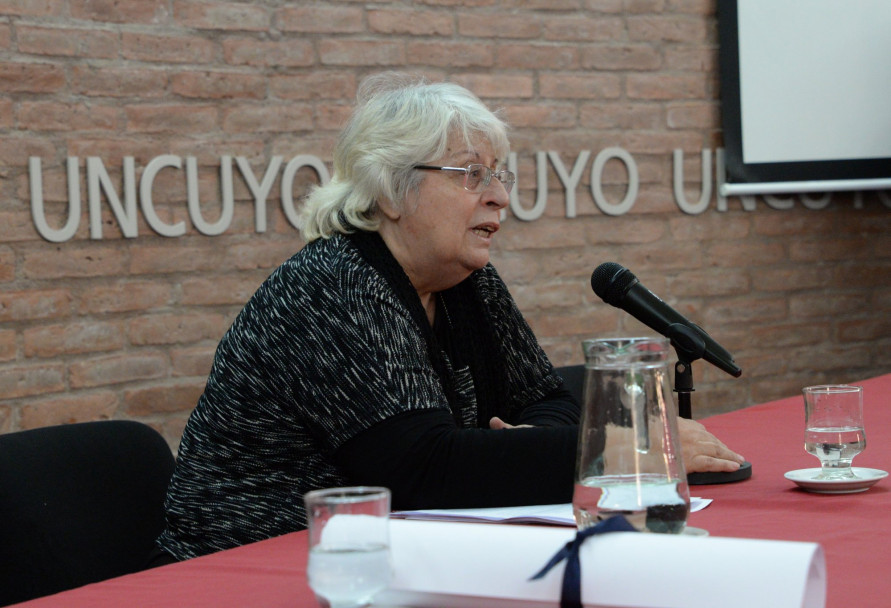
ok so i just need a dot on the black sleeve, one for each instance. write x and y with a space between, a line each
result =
557 408
429 463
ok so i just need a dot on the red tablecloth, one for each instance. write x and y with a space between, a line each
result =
851 528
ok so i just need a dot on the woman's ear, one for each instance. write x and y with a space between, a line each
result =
390 210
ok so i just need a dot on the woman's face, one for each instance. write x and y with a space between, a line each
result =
443 232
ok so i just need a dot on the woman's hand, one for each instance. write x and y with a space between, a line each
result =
497 423
703 452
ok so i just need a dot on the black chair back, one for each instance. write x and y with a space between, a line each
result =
79 503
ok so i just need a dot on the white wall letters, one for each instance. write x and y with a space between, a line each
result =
123 205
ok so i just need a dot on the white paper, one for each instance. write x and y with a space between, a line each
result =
460 565
559 515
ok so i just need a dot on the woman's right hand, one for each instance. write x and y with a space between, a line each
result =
496 424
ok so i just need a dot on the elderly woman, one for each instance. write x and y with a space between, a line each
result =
387 351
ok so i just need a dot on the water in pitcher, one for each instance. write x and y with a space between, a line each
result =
649 503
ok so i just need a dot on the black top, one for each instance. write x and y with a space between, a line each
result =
325 379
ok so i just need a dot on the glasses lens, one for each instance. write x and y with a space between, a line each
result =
477 177
507 179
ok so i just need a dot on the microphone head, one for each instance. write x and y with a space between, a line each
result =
611 281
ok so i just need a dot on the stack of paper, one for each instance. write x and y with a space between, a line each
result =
559 515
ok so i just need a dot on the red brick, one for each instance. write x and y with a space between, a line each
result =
285 53
782 278
31 78
360 52
821 303
167 48
8 346
110 81
234 290
30 380
538 56
72 338
181 395
244 118
541 115
176 328
192 361
642 143
827 358
68 409
52 116
83 261
709 227
692 59
124 297
602 29
67 42
621 57
825 249
621 115
693 115
671 28
171 118
535 5
709 282
866 330
508 26
694 7
574 86
34 304
745 254
217 15
320 19
546 235
7 263
745 309
667 87
120 11
451 54
6 112
319 84
218 85
34 8
119 368
499 86
332 118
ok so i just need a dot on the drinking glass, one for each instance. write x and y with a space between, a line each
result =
834 427
349 544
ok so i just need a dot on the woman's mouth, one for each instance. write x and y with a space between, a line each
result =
485 231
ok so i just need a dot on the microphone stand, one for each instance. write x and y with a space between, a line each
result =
690 346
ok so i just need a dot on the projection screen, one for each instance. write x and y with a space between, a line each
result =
805 95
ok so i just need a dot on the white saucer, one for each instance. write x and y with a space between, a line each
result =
863 480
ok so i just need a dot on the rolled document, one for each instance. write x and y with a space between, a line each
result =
460 565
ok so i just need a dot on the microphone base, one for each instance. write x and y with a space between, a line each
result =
709 478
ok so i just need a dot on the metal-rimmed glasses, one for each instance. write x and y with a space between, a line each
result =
476 176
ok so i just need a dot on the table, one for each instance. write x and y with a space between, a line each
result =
850 527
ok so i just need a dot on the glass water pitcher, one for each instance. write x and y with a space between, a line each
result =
629 458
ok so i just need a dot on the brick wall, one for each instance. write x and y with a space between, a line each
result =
124 326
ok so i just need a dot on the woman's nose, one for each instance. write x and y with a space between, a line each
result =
496 194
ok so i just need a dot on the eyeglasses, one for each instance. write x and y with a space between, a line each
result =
477 177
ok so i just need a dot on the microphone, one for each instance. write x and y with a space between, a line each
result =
618 287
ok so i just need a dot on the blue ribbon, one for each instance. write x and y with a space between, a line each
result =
571 593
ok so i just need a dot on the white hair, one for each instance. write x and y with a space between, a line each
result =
399 121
